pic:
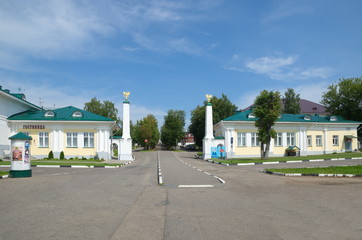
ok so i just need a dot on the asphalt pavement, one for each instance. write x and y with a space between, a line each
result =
127 203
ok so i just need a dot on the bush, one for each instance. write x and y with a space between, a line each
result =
50 155
61 155
84 158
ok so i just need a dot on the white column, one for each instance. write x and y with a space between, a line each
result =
126 120
325 140
125 148
209 135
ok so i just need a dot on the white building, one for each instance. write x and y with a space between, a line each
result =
76 132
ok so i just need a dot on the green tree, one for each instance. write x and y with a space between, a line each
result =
146 129
172 130
345 99
267 110
105 108
291 102
222 108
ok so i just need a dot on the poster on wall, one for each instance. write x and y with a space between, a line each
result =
17 153
213 152
221 152
27 152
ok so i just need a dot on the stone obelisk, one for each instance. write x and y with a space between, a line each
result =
209 135
126 140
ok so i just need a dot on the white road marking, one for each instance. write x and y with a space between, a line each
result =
195 186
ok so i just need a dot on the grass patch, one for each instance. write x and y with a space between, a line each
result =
356 170
68 163
2 173
284 159
69 160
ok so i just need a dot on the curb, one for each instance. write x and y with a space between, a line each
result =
77 166
4 176
279 162
309 175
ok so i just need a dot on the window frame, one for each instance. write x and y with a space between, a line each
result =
309 140
335 140
291 139
43 138
279 140
73 143
254 140
89 136
241 139
319 140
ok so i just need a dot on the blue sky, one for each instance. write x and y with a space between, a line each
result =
169 54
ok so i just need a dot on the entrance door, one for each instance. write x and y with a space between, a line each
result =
348 144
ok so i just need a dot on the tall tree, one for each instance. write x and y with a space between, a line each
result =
146 132
291 102
172 130
222 108
267 110
105 108
345 99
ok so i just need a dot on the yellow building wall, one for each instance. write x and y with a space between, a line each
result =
77 151
34 134
314 146
328 145
279 150
249 150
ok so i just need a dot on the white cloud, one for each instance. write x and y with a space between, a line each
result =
286 9
278 68
185 46
47 94
63 29
50 29
312 92
270 65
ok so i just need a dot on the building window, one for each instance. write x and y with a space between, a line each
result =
77 114
254 140
309 140
43 139
279 139
290 139
318 140
335 140
241 139
88 140
72 140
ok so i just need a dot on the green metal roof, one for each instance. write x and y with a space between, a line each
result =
243 116
60 114
20 136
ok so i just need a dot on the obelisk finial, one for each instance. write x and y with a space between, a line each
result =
208 97
126 95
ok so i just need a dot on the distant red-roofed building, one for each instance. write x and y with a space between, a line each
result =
307 107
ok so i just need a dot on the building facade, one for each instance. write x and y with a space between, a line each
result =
312 134
75 132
